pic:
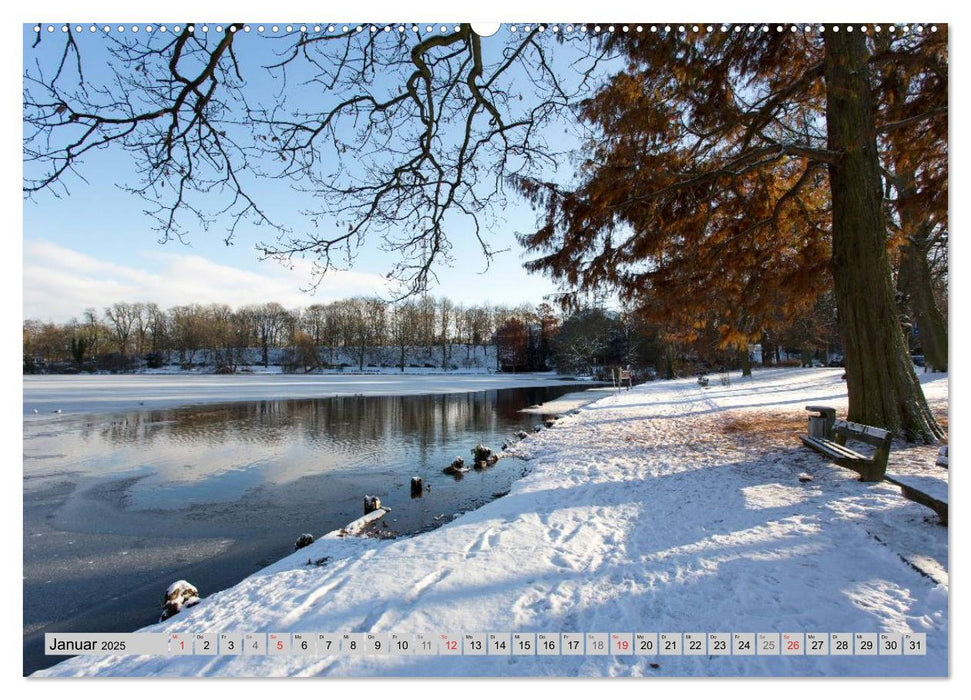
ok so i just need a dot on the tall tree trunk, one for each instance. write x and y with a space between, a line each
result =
882 387
768 349
746 361
806 356
914 279
914 276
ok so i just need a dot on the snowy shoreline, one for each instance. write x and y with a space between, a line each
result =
570 402
666 508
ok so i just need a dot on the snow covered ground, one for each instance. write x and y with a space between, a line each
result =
570 402
669 508
46 394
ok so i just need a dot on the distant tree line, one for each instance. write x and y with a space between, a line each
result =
417 332
127 335
593 340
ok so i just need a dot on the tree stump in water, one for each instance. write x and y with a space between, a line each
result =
456 467
481 453
371 504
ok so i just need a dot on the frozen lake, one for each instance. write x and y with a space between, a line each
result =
101 393
119 504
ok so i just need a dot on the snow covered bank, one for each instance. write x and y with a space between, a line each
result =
669 508
104 393
570 402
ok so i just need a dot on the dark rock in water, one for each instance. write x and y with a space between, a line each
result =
500 494
371 504
493 458
172 607
522 434
304 540
481 464
456 467
505 445
537 428
179 595
416 487
180 590
550 422
481 453
804 477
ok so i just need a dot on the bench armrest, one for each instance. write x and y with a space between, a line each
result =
823 411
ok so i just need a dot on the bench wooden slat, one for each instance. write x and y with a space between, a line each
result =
860 431
832 449
847 452
829 444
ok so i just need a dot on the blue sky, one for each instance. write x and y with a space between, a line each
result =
94 245
89 248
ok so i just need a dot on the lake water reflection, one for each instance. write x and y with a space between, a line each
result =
116 506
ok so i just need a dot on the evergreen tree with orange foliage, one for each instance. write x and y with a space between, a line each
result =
736 175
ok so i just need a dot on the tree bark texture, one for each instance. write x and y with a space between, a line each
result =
914 277
882 386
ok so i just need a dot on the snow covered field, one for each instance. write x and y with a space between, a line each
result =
666 508
103 393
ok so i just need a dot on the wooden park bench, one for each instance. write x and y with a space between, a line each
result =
829 436
924 490
831 441
621 375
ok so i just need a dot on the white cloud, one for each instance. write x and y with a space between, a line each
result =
59 283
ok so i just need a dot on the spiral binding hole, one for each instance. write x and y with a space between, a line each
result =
581 29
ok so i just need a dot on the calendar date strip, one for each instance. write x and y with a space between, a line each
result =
489 644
